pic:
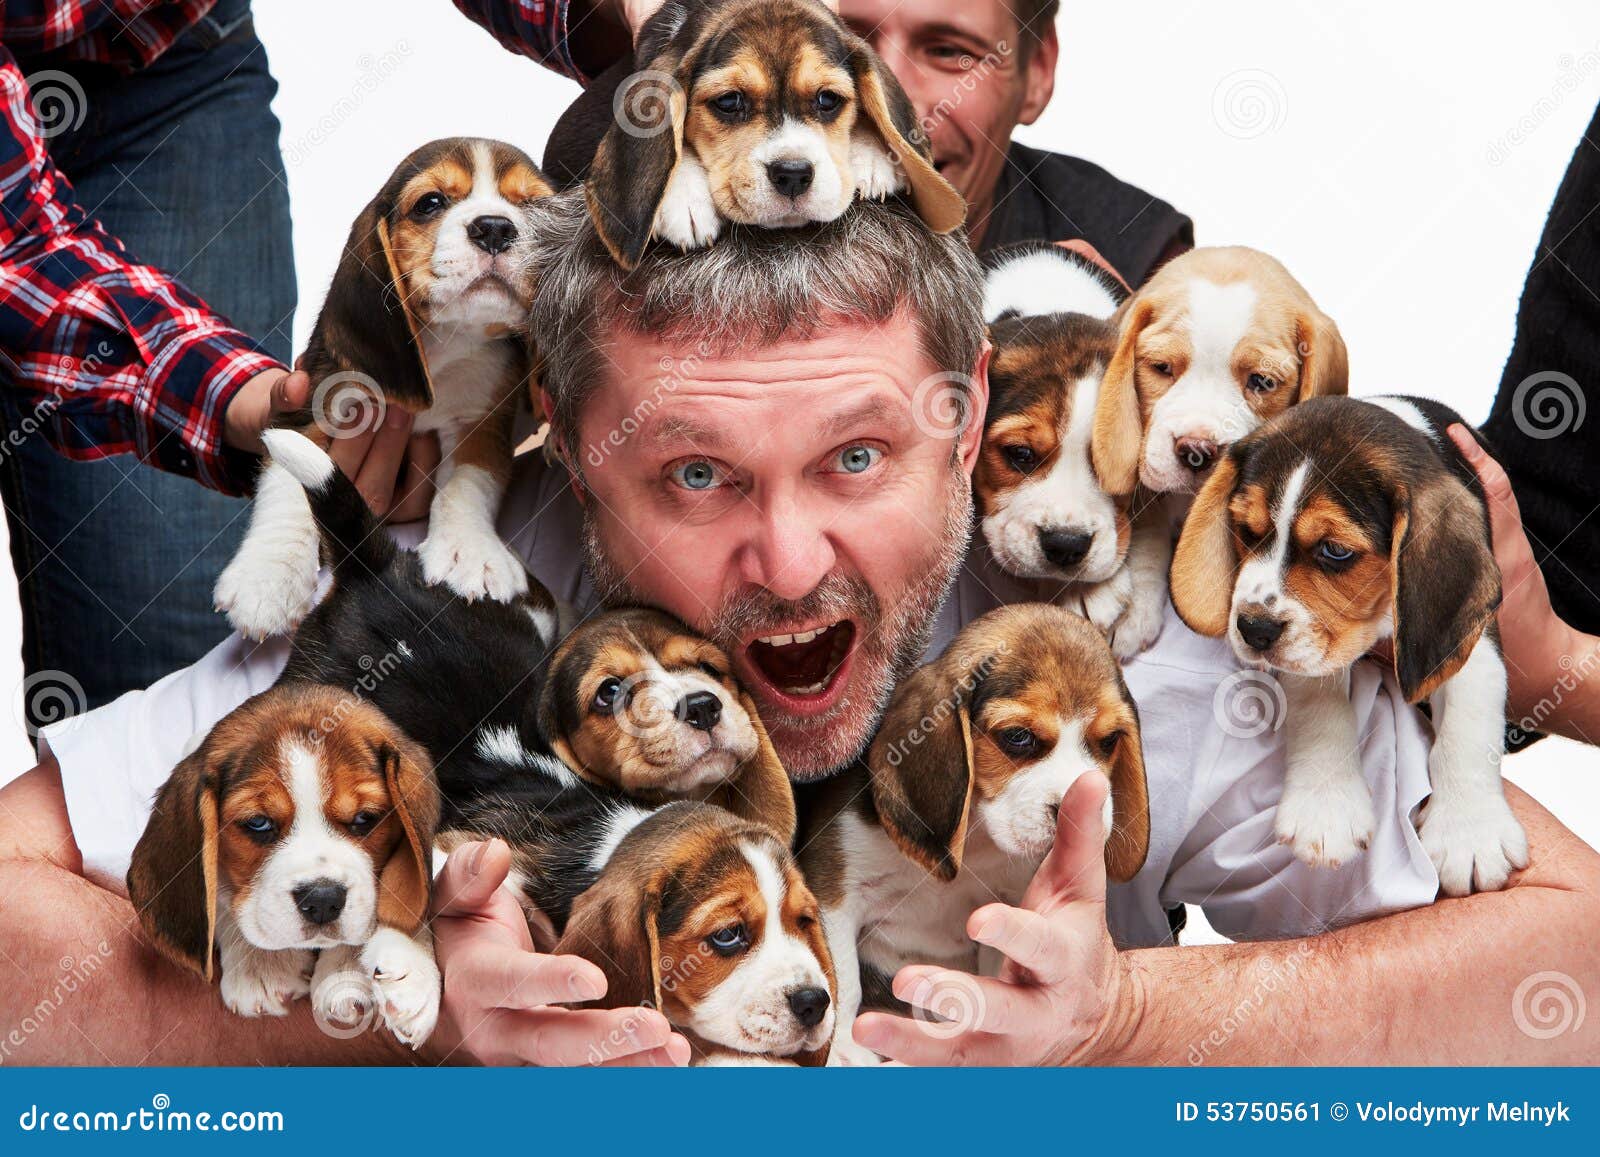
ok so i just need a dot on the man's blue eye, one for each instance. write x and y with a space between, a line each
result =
699 475
727 941
1333 552
859 459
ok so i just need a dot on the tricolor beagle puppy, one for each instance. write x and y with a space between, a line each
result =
956 805
762 112
295 841
422 314
1044 509
1339 524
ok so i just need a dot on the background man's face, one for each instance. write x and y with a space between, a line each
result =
969 92
813 486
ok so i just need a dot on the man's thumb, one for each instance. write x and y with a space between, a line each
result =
470 877
1075 869
292 392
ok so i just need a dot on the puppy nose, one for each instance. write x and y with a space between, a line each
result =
791 178
1196 453
320 901
1065 547
809 1005
491 234
701 709
1259 631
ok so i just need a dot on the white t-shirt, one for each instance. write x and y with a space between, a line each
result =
1213 785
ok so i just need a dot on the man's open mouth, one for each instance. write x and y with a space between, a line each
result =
804 665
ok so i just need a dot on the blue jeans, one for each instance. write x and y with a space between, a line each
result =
114 559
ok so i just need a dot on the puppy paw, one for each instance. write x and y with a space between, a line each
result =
1140 624
1104 604
877 174
1475 842
405 981
1328 824
847 1054
262 983
266 593
342 999
475 565
687 216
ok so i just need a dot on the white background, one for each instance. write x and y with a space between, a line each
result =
1399 158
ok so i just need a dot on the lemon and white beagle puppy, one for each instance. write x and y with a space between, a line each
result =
1338 524
295 842
424 314
760 112
1045 511
957 802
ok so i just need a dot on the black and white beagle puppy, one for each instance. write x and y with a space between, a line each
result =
1341 523
761 112
295 842
956 804
424 313
1045 510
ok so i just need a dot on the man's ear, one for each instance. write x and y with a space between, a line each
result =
1324 361
920 764
890 112
639 153
406 879
1205 564
366 325
614 925
977 403
1446 583
1128 842
1117 441
172 879
1040 77
762 792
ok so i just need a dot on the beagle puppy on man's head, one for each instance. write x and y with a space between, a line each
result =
963 786
423 313
1341 523
1045 511
295 841
705 917
761 112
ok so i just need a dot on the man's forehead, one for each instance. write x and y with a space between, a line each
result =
711 421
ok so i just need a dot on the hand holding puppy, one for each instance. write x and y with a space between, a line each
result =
1061 996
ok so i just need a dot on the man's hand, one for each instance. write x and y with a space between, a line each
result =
499 994
392 469
1061 996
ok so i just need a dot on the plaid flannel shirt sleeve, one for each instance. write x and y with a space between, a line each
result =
118 356
533 28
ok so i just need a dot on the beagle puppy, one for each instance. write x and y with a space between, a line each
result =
761 112
1339 524
630 700
295 842
955 806
704 916
422 314
1044 509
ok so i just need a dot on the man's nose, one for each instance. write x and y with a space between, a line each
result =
790 553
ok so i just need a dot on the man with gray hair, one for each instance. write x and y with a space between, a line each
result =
773 439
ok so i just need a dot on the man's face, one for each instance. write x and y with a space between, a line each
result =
806 505
969 91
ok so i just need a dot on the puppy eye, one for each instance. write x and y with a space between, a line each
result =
731 105
729 941
1021 458
1332 552
711 670
605 696
429 205
805 923
1108 745
363 822
829 101
1016 741
1262 384
259 827
1162 368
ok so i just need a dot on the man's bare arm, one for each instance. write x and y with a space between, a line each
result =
83 988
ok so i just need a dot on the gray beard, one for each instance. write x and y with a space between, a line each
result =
890 641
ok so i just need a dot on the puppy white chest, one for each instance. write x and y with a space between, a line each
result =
471 372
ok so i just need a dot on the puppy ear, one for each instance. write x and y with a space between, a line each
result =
1204 565
921 767
614 926
762 792
1324 361
891 113
172 879
1118 437
1446 584
406 880
635 161
366 325
1129 841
